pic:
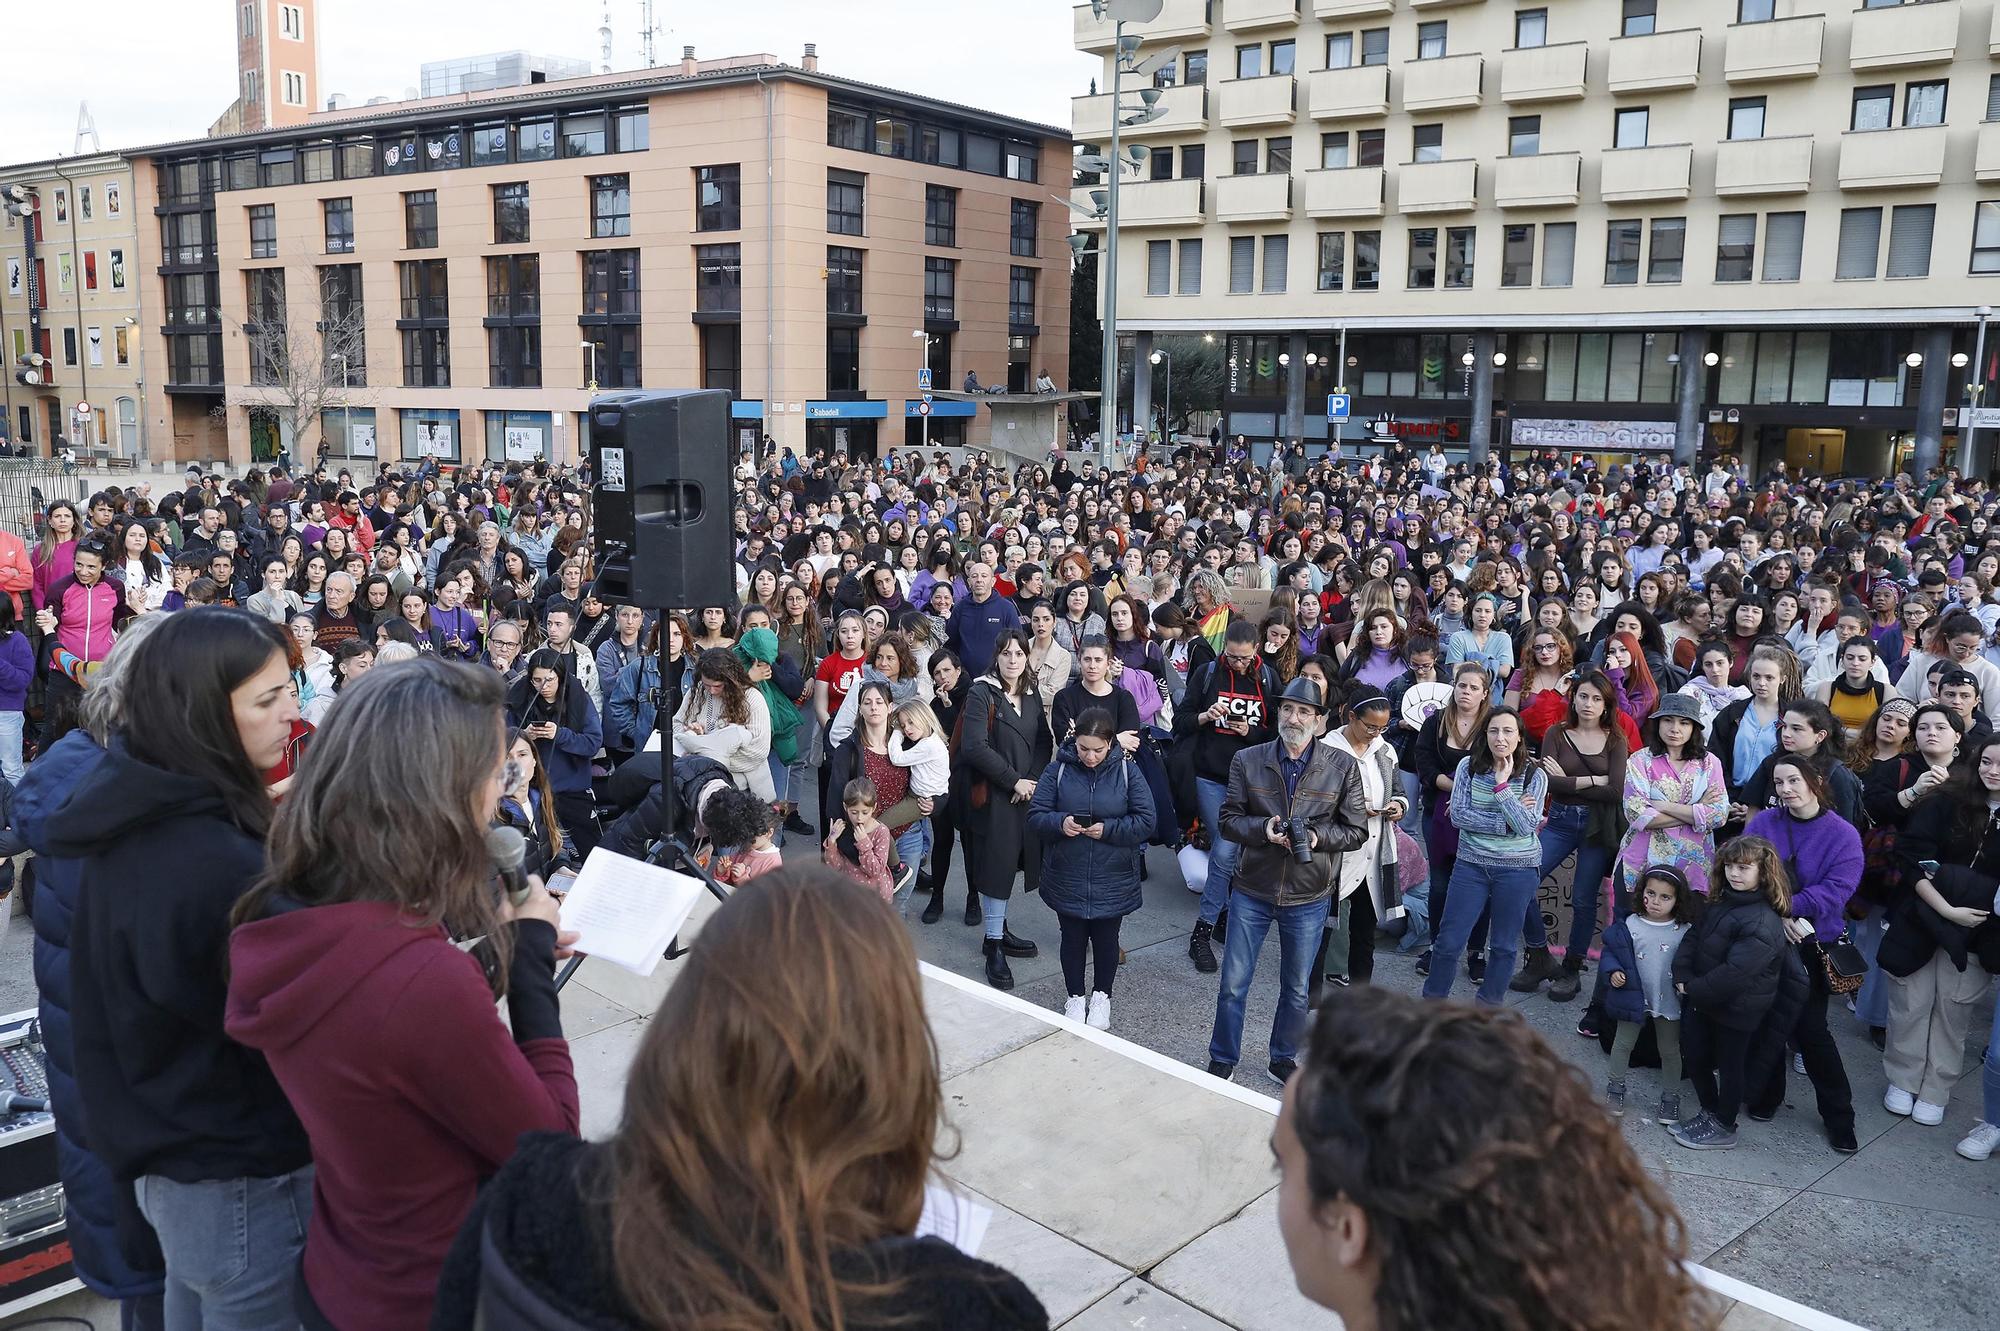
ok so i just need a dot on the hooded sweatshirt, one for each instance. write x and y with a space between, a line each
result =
384 1034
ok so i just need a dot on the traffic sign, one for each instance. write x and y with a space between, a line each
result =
924 379
924 407
81 408
927 395
1337 405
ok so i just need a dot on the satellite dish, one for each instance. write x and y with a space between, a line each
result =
1153 64
1134 11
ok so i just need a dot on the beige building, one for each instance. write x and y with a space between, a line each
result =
72 295
1766 227
472 264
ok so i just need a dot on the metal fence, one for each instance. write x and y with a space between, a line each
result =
28 485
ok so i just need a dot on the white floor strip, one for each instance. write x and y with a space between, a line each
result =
1810 1319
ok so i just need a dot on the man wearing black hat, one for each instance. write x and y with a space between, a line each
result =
1291 784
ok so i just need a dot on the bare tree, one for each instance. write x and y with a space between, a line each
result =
305 358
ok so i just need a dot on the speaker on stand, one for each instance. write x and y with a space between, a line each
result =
661 504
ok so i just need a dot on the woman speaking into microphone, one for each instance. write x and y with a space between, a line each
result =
381 1031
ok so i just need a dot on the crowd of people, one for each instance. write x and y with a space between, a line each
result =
1367 706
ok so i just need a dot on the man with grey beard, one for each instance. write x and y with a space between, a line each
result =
1291 784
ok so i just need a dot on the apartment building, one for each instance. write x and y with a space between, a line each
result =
72 295
1766 227
468 269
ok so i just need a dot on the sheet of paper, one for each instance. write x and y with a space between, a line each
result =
954 1217
652 743
626 910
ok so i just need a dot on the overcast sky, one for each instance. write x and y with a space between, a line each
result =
154 72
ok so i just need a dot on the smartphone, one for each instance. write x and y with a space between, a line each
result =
1084 819
561 881
1930 867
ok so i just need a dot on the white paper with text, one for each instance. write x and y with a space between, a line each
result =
626 911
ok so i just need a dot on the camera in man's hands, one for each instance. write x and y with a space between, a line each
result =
1299 832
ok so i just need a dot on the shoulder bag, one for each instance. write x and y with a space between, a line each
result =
1840 962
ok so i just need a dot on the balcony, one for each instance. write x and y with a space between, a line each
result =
1438 187
1249 15
1147 203
1266 101
1925 34
1786 48
1657 60
1447 84
1345 9
1892 158
1543 73
1178 19
1550 180
1986 161
1993 38
1259 198
1353 191
1631 175
1347 94
1438 4
1745 167
1186 113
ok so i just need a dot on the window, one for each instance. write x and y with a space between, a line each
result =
1524 136
1024 222
1639 17
1159 266
982 154
425 324
1784 246
1755 11
583 135
1284 55
420 220
1860 243
846 193
1558 254
1873 107
1629 127
1277 256
1190 274
250 89
1427 143
1458 251
69 346
718 279
847 128
316 163
1370 146
339 225
1242 265
246 26
1517 256
1375 46
1531 28
1194 161
1746 117
610 284
1249 62
1333 150
843 360
1023 162
939 146
1195 68
514 321
291 23
514 287
1021 296
1367 261
634 126
294 88
894 137
510 213
1278 156
1735 247
429 432
1993 98
1332 260
1621 253
1340 50
1430 40
1923 103
718 198
263 231
843 280
1423 258
1910 239
280 167
1244 154
1159 164
341 309
1665 249
426 298
610 206
1985 238
941 212
940 290
722 358
489 144
264 302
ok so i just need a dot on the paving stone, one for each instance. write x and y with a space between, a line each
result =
1718 1209
1912 1165
1138 1306
601 1061
1237 1273
1066 1276
970 1032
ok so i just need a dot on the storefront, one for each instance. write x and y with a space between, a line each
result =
746 426
945 427
851 428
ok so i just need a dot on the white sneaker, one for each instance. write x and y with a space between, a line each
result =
1980 1142
1898 1101
1799 1064
1074 1008
1100 1012
1928 1114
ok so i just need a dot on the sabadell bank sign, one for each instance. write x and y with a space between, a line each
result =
1595 436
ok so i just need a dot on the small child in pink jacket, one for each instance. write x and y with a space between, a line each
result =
860 846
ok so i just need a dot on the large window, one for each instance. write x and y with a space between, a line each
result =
341 310
339 226
1985 238
264 323
1630 127
843 360
1344 50
1910 239
610 318
1024 223
1524 136
1367 260
718 197
843 280
940 290
1621 253
420 219
1666 247
722 357
1746 117
1423 270
1735 247
718 279
610 206
514 321
425 323
611 283
264 231
1021 295
846 202
941 213
1332 260
514 287
1517 255
1860 245
1190 268
1458 256
611 354
510 213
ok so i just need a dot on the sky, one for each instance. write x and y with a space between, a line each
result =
154 71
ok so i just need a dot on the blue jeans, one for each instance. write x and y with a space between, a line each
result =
1299 929
993 914
1990 1074
11 726
912 846
1222 852
1473 886
232 1248
781 773
1871 1005
1561 838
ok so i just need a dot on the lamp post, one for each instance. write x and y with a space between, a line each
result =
1167 411
924 419
132 322
591 349
346 409
1975 390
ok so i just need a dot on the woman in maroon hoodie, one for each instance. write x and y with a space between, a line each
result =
382 1033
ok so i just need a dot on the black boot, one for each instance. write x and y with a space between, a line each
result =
1536 965
1199 950
997 973
1567 985
972 915
1220 929
1016 947
935 910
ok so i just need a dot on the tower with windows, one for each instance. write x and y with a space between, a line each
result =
277 65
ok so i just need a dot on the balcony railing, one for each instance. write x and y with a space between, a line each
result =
1346 94
1629 175
1259 198
1146 203
1186 113
1247 15
1437 187
1892 158
1178 20
1549 180
1346 9
1267 101
1447 84
1764 166
1656 60
1543 73
1352 191
1786 48
1923 34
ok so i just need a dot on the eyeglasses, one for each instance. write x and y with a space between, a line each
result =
1546 647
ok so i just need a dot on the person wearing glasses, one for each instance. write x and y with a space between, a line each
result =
504 648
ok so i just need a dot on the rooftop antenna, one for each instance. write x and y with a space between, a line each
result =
85 127
650 29
604 41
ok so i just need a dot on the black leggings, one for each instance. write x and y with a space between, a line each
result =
944 832
578 815
1715 1056
1101 936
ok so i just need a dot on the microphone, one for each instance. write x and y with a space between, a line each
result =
509 850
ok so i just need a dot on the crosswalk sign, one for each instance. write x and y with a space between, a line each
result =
924 379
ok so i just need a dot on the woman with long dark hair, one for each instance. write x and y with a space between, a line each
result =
377 861
949 685
1445 739
168 832
556 713
1004 744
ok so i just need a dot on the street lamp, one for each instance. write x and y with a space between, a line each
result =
1974 390
1711 359
591 349
1499 360
132 322
924 418
1166 412
1914 360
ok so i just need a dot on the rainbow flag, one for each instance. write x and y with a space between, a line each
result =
1215 627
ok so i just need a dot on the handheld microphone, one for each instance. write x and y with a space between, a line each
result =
509 850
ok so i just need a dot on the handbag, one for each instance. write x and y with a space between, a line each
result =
1843 965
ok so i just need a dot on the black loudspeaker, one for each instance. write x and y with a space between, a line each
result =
662 500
